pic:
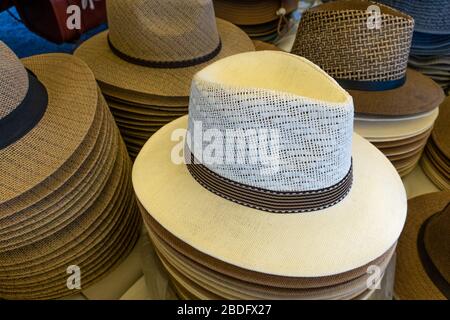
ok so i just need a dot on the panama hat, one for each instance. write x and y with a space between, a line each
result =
151 58
67 188
423 250
256 219
430 16
375 73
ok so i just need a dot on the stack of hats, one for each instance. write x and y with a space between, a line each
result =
430 51
395 106
436 159
423 257
260 19
276 197
66 197
145 62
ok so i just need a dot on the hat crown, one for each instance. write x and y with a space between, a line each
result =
281 104
163 30
342 38
13 81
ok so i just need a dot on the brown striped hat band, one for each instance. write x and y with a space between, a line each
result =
268 200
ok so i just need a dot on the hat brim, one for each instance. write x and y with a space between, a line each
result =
412 281
112 70
386 130
71 108
286 245
419 94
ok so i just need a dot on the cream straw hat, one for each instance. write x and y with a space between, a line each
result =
321 212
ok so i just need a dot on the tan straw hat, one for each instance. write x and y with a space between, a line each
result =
155 47
366 57
423 261
65 191
299 215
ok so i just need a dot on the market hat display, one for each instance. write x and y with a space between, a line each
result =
65 194
423 252
430 51
145 62
394 105
260 19
306 207
436 158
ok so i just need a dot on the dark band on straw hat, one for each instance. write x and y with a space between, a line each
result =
371 85
267 200
27 115
165 64
433 273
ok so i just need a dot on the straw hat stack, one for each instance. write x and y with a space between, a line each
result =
430 51
436 159
423 256
145 62
65 194
260 19
307 223
395 107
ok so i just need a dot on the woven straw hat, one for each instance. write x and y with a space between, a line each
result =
431 16
436 160
155 47
371 63
65 196
252 12
423 250
299 213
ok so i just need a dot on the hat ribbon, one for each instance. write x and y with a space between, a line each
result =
431 270
371 85
165 64
25 116
268 200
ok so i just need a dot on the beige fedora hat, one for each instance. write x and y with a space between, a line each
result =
423 271
155 47
309 213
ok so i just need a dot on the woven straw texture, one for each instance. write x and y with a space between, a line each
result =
153 35
431 16
24 164
412 281
84 213
13 81
315 137
173 30
336 37
252 12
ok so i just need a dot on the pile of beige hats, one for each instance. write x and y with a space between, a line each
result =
66 199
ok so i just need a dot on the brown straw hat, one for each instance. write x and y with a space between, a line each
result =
66 195
252 12
423 255
155 47
368 61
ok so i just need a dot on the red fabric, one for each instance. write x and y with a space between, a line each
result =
48 18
